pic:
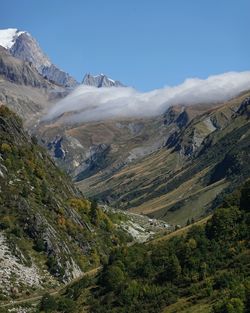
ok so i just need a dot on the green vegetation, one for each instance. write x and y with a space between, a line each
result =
207 270
48 303
47 221
43 216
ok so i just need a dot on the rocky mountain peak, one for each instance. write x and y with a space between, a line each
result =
27 49
23 46
100 80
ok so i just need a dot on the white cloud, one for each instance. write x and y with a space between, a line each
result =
91 104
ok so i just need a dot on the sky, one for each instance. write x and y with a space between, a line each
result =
145 44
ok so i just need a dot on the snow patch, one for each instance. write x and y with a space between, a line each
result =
8 37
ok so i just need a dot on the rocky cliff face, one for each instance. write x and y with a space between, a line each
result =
190 138
79 161
58 76
27 49
20 72
23 89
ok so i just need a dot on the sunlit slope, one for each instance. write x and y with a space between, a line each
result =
186 178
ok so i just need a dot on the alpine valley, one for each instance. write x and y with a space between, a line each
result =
108 206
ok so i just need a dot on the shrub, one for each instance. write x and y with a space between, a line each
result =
66 305
39 245
6 148
113 277
48 303
235 305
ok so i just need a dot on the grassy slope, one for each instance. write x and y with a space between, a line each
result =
168 186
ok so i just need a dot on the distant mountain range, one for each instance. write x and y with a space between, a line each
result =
23 46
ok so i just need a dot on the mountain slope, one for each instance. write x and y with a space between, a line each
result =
87 148
205 270
105 147
182 180
49 233
23 46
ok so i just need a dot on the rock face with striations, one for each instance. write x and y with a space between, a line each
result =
24 89
20 72
23 46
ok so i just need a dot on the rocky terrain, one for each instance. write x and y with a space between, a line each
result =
14 268
85 149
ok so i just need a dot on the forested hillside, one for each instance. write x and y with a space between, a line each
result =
49 232
206 270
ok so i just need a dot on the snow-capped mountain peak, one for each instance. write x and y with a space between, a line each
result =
23 46
100 80
8 37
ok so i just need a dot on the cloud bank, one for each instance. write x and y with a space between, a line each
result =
93 104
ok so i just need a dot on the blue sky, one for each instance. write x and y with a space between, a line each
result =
143 43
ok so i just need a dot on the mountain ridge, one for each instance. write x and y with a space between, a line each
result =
24 89
23 46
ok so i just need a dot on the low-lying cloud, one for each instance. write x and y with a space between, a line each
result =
93 104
